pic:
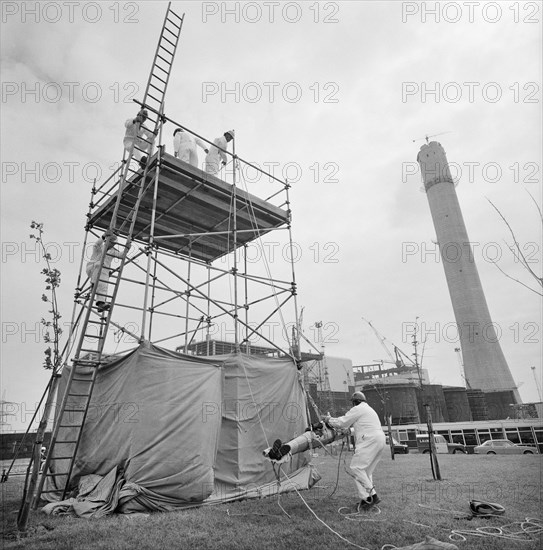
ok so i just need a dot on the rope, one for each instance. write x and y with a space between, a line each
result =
524 532
278 478
256 229
338 465
252 514
361 516
319 519
528 527
253 400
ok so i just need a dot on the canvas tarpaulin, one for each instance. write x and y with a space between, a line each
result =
179 430
262 401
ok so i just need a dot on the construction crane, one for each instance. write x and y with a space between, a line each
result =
537 384
324 381
398 358
381 339
461 363
427 137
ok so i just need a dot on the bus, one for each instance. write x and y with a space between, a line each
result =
527 431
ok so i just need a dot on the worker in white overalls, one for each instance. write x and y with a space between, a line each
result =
135 136
93 268
184 146
369 440
216 156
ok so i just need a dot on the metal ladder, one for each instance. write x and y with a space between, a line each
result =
76 400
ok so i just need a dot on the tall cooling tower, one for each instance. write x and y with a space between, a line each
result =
484 363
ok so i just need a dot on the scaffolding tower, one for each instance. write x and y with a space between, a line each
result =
187 258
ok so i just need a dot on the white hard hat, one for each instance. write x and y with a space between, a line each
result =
108 233
231 132
358 396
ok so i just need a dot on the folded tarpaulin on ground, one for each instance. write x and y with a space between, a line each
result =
97 496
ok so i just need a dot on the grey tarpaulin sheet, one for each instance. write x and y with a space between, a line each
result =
182 430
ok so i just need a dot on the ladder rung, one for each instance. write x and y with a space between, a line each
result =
153 97
74 410
149 129
156 88
168 20
60 458
53 490
170 31
54 475
140 149
158 78
78 394
168 40
165 61
174 24
84 379
98 337
89 351
173 13
167 51
149 141
67 441
70 426
162 69
108 280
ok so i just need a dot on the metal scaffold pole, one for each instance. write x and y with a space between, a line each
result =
235 245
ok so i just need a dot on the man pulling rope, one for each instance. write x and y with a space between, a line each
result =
369 440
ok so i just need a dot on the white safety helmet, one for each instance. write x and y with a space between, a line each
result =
358 396
231 132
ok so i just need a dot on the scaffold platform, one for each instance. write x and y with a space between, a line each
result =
193 211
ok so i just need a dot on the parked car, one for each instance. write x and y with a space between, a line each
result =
399 448
441 444
503 447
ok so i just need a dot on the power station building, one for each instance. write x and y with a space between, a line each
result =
487 374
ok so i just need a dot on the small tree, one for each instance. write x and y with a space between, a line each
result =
51 362
52 282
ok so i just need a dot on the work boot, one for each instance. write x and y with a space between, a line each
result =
364 505
278 450
284 450
275 450
367 503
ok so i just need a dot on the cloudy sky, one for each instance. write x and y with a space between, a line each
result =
339 94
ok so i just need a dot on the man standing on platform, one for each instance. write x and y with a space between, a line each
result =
216 154
369 440
184 146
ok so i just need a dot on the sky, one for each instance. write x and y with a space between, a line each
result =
338 97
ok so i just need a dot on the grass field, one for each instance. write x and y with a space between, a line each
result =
413 505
